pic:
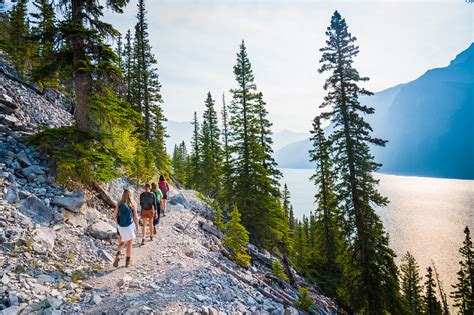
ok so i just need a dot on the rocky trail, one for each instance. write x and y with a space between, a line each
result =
57 246
176 273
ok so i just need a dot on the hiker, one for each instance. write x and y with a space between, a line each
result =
126 216
165 188
158 196
149 213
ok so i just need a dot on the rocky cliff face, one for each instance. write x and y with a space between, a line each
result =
57 246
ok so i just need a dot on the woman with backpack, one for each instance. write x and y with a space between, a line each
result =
165 188
126 216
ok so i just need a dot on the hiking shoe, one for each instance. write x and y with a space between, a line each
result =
128 262
143 241
116 261
151 238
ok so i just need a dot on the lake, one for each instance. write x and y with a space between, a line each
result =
426 216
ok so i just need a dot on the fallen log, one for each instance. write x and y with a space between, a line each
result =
103 195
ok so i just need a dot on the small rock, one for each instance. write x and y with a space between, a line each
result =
105 256
23 158
5 279
12 299
96 299
42 279
200 298
12 310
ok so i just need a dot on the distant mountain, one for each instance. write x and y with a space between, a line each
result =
183 131
428 123
285 137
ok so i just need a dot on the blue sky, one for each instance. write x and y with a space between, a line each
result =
196 42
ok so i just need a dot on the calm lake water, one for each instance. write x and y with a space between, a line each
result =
426 216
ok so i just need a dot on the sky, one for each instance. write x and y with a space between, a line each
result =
196 42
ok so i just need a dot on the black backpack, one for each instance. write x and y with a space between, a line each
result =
147 200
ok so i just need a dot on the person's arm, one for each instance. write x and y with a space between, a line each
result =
155 206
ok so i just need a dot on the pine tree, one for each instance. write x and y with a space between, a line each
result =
211 155
237 238
301 250
17 44
83 35
146 70
266 142
159 154
411 285
44 32
291 220
180 157
463 293
374 284
277 270
431 303
442 294
326 238
285 200
255 192
128 66
194 171
226 197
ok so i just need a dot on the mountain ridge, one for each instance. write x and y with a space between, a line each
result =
440 146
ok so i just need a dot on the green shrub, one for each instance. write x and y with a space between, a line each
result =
237 238
277 270
304 302
77 275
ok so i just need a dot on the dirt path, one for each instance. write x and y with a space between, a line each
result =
172 274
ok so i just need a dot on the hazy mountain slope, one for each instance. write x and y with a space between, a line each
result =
285 137
427 122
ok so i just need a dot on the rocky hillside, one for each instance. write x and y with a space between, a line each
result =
57 246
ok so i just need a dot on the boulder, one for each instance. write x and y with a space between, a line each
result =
75 219
23 158
73 202
179 199
33 169
102 230
46 238
211 229
12 310
36 210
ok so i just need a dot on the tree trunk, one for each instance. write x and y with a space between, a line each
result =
82 80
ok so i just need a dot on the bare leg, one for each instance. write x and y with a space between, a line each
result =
129 248
162 203
151 228
119 250
144 221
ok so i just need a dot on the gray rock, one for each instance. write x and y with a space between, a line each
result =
46 238
12 310
12 194
72 203
268 305
12 299
96 299
228 295
42 279
200 298
211 229
179 199
37 210
33 169
5 279
75 219
102 230
105 256
23 158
